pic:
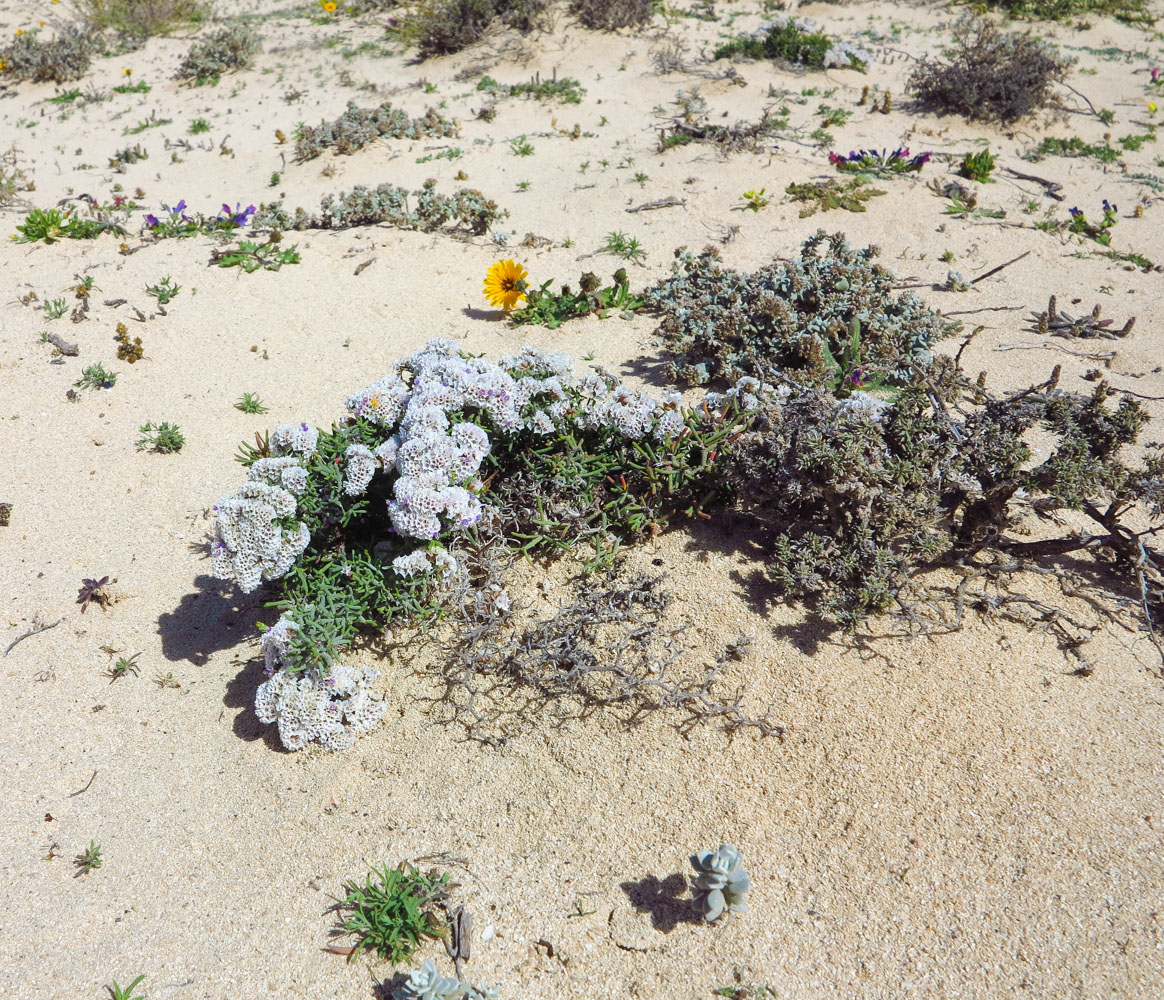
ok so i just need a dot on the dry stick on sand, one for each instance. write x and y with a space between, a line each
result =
62 345
669 202
31 632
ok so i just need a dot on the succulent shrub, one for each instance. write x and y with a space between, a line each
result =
371 521
426 983
357 127
796 41
720 883
226 50
466 210
989 75
55 60
717 323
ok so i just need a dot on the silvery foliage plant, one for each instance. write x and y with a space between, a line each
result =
426 983
424 441
719 884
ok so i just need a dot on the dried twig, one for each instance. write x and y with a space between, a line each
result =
81 791
31 632
669 202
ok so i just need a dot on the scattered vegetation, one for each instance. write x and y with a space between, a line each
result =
250 403
1090 326
989 75
51 224
141 18
624 246
122 668
252 256
977 166
547 308
164 291
446 26
567 90
610 15
881 164
1129 11
96 377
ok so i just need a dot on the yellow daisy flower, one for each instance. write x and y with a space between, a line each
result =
328 6
505 284
127 72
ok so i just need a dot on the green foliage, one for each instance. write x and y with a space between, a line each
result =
252 256
55 308
824 196
977 166
820 317
65 57
624 246
1075 146
610 15
521 146
164 438
126 993
546 308
96 377
567 90
250 403
755 200
230 48
164 291
51 224
787 41
88 860
141 87
198 126
65 96
393 914
142 18
122 668
445 26
1129 11
990 75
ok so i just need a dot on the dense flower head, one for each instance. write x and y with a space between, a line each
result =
505 284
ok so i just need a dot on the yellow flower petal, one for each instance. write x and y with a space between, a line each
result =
504 284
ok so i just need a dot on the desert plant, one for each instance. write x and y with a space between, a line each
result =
231 48
1129 11
357 127
96 377
426 983
717 323
88 860
51 224
795 41
610 15
548 308
252 256
164 438
127 992
977 166
64 57
824 196
141 18
445 26
250 403
882 164
990 75
720 882
393 914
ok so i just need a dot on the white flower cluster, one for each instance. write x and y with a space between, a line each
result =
749 393
331 711
863 408
425 560
294 439
250 541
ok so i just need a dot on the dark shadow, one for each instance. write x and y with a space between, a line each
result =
655 371
807 636
491 315
215 617
662 901
240 693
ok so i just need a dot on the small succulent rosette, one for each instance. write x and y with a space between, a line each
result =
719 884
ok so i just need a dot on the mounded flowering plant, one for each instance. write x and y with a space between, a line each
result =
870 161
378 519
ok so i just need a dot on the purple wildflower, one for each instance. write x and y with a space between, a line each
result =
152 220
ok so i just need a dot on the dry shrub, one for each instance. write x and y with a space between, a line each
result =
991 75
608 15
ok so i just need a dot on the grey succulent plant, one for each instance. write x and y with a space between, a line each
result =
426 983
720 883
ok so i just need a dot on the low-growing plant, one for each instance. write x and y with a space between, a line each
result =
990 75
129 349
141 18
610 15
51 224
122 668
55 308
123 157
977 166
567 89
1098 231
521 146
881 164
229 49
139 87
164 291
252 256
57 60
1075 146
198 126
795 41
128 992
824 196
755 200
96 377
164 438
466 210
250 403
357 127
1129 11
393 912
88 860
426 983
94 591
719 883
717 323
547 308
624 246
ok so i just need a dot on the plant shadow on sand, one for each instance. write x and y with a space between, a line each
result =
662 900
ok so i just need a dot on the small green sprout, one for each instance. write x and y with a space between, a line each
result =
250 403
164 290
96 377
755 200
521 147
88 860
122 668
198 126
164 438
127 993
626 247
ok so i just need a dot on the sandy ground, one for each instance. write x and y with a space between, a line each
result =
958 817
